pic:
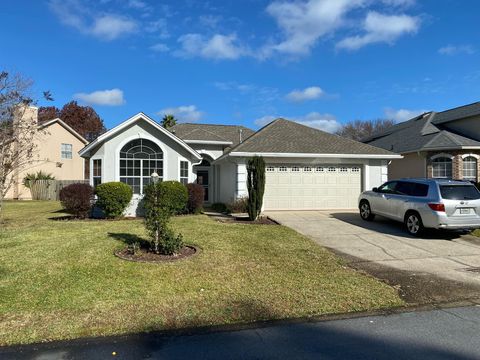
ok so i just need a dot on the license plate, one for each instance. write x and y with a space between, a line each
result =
464 211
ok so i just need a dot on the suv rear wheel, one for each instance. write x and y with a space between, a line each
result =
414 224
366 211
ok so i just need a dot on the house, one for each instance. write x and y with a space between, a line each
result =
306 168
435 144
57 147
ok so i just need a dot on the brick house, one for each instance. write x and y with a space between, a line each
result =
435 144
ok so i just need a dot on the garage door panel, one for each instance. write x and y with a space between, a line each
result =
334 187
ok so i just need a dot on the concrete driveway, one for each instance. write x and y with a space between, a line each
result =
383 242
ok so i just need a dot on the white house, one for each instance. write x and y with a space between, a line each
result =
306 168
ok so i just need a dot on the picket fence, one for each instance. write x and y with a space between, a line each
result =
50 189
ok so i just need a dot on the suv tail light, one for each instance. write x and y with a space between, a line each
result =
437 207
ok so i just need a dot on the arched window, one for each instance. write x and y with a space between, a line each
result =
442 167
139 159
470 168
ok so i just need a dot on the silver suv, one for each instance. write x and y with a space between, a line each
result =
424 203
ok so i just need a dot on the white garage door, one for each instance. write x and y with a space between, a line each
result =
307 187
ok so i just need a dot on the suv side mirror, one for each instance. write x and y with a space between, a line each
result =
375 189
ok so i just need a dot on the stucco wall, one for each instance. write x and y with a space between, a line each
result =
411 166
48 159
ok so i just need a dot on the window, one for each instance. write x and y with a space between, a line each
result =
97 172
470 168
270 169
307 169
355 169
442 167
184 172
139 159
332 169
411 189
459 192
282 169
319 169
388 188
66 151
295 169
343 169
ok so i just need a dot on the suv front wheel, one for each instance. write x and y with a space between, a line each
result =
413 223
366 211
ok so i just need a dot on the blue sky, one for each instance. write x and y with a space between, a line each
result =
319 62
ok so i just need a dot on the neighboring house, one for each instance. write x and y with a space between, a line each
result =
306 168
435 145
57 147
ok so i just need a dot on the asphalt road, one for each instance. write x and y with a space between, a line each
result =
452 333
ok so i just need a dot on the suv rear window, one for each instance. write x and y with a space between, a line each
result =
411 189
459 192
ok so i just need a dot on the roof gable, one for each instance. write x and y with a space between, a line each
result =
65 126
136 118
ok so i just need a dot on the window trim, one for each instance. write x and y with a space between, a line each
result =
180 177
435 160
475 176
118 158
62 151
93 169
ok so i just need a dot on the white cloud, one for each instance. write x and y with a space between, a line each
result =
218 47
400 115
185 113
113 97
110 27
106 26
324 122
304 23
159 47
456 49
381 28
309 93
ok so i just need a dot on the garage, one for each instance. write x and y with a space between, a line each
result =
308 187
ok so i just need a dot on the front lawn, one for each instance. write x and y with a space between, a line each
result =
60 279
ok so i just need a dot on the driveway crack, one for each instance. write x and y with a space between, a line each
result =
378 246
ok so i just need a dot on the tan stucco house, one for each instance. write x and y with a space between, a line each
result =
435 145
57 153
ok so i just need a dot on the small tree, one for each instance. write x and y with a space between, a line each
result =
255 186
168 121
160 204
18 129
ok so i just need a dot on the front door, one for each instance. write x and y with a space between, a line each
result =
202 179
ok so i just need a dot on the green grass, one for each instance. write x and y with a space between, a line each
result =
60 279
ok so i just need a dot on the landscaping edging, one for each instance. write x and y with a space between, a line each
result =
121 254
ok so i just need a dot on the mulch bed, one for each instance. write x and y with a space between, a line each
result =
245 220
146 256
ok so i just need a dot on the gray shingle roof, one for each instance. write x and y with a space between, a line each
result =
284 136
211 132
426 132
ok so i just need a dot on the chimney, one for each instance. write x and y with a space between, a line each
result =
26 113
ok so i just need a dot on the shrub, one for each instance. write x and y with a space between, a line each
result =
158 210
196 193
255 186
77 199
174 196
239 206
220 208
113 198
39 175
